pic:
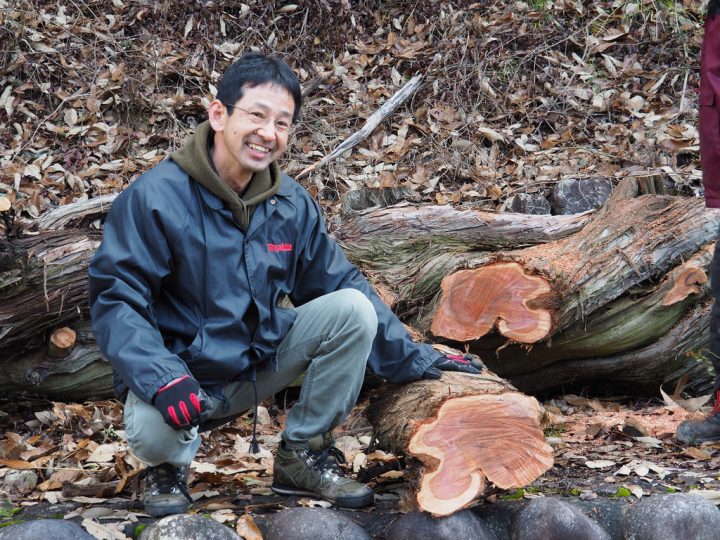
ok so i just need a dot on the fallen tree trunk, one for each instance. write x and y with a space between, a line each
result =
43 286
626 324
531 294
681 352
77 371
603 290
408 250
461 434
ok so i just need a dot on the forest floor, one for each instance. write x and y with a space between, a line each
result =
71 461
515 96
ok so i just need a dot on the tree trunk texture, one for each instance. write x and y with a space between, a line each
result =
622 282
461 434
78 373
525 292
43 286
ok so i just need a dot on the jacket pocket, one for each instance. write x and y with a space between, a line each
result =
196 346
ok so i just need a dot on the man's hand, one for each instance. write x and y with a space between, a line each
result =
182 403
466 363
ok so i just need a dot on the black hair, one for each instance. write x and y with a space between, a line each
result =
253 69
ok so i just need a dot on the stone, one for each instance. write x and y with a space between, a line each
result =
528 203
263 416
19 482
422 526
573 195
55 529
667 517
551 519
188 527
313 524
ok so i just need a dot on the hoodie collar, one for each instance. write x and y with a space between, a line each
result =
194 159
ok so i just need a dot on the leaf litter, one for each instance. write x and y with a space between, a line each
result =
516 96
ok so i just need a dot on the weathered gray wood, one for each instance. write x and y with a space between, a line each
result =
681 351
73 214
43 285
82 374
370 124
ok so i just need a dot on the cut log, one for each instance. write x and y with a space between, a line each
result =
510 293
461 434
409 249
583 273
626 324
61 342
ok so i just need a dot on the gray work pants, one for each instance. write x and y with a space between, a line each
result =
330 342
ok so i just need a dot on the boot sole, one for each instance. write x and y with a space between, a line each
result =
697 442
360 501
166 510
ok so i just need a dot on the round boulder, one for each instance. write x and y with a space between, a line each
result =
44 528
573 195
422 526
550 519
19 482
185 527
528 203
666 517
313 524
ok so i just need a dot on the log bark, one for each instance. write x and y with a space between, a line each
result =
83 373
461 434
681 352
629 323
583 273
43 286
524 292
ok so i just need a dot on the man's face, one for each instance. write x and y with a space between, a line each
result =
257 131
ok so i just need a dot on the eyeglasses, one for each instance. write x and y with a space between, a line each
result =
261 118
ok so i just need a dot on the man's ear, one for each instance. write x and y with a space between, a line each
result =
217 114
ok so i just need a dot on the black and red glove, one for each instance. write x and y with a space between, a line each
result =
182 403
466 363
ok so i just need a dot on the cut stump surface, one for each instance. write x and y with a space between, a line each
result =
474 301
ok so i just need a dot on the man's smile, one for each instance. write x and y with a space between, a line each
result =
258 148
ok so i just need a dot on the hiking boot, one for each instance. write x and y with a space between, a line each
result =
700 431
166 490
315 471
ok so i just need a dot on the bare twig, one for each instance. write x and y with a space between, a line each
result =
684 90
374 121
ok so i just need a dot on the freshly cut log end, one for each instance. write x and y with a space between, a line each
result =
61 342
473 302
685 285
475 437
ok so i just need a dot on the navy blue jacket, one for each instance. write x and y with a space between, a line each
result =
177 288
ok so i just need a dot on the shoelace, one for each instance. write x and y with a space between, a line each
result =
169 477
321 463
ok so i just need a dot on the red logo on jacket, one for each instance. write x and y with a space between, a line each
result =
280 247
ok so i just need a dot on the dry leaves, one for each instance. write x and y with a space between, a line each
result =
514 97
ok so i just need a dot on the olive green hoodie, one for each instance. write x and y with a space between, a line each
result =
194 159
